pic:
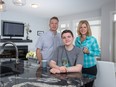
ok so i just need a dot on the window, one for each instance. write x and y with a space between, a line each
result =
63 27
115 17
96 31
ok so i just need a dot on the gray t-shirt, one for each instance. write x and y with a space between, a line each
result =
73 57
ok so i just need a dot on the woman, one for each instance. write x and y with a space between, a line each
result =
67 58
90 48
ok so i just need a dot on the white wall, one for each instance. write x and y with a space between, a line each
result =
115 4
78 16
36 24
105 31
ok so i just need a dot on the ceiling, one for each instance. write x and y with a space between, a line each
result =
48 8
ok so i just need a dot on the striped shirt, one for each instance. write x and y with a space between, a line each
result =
91 43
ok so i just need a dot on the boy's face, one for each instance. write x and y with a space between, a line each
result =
67 39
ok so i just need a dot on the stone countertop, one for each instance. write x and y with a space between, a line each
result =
33 76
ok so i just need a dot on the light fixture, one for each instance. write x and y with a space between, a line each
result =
19 2
114 17
34 5
2 5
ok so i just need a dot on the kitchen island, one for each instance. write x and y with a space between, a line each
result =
35 76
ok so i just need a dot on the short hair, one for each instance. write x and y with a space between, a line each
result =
67 31
88 27
54 18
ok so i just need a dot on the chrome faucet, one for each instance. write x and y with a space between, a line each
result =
16 49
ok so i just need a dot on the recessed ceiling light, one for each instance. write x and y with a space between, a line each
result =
34 5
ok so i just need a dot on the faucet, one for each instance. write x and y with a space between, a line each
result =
16 49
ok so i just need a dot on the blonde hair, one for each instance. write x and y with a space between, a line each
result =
88 27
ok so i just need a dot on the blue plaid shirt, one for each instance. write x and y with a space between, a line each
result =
91 43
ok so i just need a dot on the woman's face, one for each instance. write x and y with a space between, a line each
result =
67 39
83 29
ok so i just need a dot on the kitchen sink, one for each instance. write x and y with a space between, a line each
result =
11 68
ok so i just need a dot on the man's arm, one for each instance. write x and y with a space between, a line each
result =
39 55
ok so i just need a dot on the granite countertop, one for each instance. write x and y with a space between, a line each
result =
34 76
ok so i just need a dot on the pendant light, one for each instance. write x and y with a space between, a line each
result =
2 5
19 2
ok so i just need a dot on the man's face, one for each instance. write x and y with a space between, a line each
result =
53 25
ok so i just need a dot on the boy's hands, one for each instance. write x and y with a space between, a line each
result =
61 69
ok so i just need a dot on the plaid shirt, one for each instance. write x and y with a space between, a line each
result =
91 43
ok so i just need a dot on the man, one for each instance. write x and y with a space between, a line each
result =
48 41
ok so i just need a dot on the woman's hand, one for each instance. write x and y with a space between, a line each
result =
85 50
